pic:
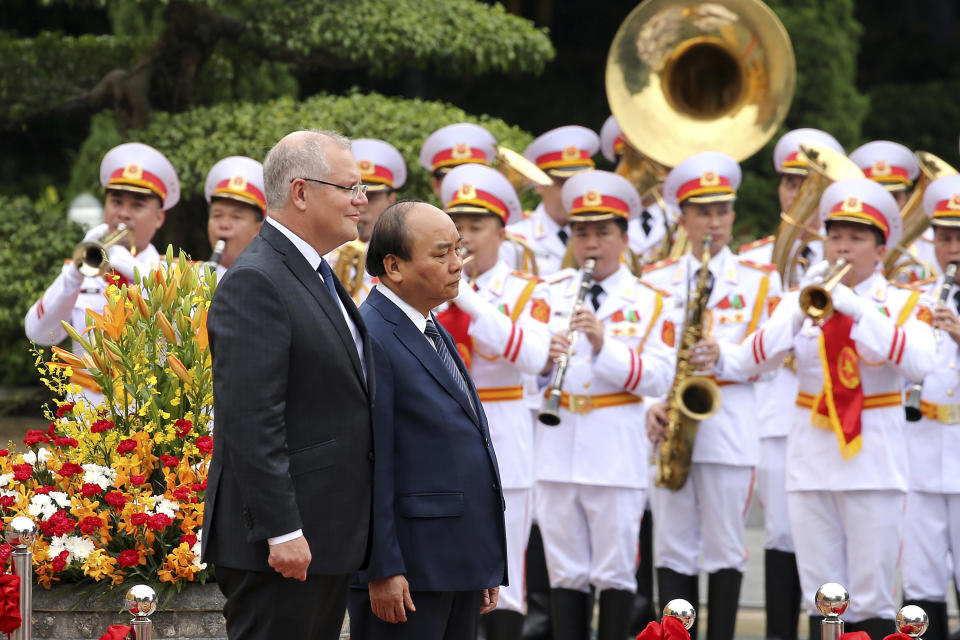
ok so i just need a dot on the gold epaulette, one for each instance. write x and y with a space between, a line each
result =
660 264
526 276
755 244
766 268
911 286
663 292
560 276
924 282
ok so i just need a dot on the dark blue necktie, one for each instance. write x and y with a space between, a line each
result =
645 219
431 332
327 273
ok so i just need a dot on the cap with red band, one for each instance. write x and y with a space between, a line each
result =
786 155
139 168
456 144
478 189
941 201
891 164
709 176
600 195
237 178
862 201
612 141
381 165
564 151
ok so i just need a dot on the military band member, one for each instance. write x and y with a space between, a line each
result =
591 470
500 327
782 594
932 517
453 145
647 231
234 191
846 453
383 171
561 153
140 185
700 527
896 169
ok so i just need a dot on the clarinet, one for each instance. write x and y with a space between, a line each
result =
912 405
550 411
217 254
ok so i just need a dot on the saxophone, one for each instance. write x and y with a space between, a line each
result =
692 398
349 267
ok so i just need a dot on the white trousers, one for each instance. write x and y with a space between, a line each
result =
772 491
518 518
700 527
590 534
931 538
853 538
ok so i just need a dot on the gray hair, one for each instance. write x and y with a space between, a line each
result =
301 154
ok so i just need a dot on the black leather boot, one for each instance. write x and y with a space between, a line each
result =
781 589
672 584
536 624
501 624
616 607
643 611
723 600
570 613
939 628
876 628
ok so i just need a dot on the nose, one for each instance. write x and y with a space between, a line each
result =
360 199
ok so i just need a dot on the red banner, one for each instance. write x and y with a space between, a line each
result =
839 405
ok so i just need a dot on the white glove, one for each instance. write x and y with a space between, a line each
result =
96 233
815 274
469 300
847 302
72 279
122 261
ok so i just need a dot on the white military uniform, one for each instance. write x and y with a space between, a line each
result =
646 244
716 496
933 502
506 341
591 469
542 233
840 486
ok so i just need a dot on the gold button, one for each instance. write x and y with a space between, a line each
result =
949 392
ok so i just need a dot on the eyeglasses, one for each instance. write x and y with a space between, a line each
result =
356 190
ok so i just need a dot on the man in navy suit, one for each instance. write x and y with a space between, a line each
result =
438 554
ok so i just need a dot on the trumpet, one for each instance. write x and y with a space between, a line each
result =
90 257
815 299
217 254
550 411
912 405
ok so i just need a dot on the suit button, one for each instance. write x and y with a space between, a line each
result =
488 442
495 486
370 456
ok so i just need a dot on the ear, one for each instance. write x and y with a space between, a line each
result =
392 197
435 185
502 233
881 251
391 267
297 195
161 217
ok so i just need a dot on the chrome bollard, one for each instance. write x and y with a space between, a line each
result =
912 621
832 600
682 611
21 533
141 603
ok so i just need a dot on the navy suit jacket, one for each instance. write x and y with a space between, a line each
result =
438 506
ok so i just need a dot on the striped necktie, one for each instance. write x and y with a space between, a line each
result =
431 332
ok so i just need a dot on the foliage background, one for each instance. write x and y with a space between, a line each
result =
241 73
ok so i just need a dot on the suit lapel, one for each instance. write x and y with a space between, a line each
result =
309 278
471 389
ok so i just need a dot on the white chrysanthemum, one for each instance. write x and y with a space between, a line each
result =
42 455
58 544
196 555
79 548
7 493
166 507
5 479
98 475
62 499
41 506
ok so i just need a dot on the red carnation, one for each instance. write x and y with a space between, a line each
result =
60 562
200 486
58 524
169 461
42 491
137 480
137 519
101 425
126 446
205 444
6 501
128 558
189 538
182 493
115 499
65 442
34 436
90 524
22 472
90 489
5 551
183 427
70 469
51 429
64 409
159 521
4 452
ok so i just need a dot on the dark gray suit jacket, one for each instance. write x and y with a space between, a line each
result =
292 413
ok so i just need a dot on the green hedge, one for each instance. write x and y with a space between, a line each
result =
37 239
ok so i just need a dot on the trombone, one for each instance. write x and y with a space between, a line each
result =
90 257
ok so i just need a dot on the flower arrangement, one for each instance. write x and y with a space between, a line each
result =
116 485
